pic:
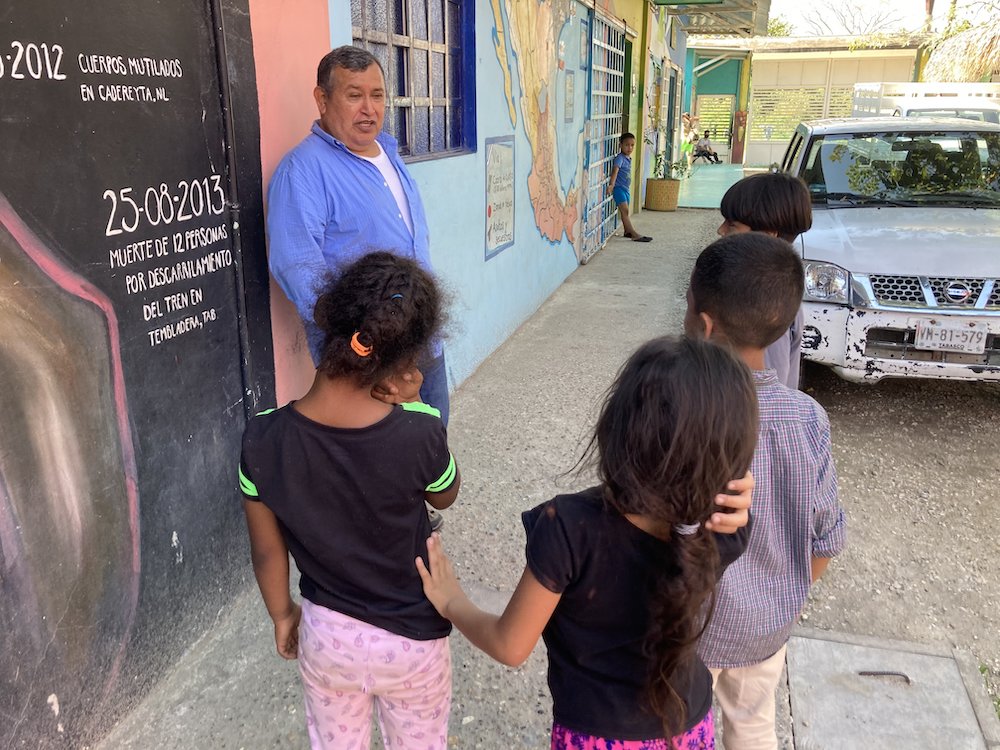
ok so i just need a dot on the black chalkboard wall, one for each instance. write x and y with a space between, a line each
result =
133 344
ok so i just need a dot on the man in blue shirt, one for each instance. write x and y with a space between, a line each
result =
343 192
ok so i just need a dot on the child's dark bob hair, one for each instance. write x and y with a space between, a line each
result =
679 422
626 137
378 317
751 285
770 202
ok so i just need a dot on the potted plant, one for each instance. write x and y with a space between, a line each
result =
664 186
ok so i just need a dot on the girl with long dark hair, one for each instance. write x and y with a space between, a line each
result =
619 576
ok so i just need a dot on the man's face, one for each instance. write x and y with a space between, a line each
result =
353 109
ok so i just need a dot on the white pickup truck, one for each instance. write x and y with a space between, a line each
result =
970 101
903 258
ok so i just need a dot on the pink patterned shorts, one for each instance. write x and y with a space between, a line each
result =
349 667
700 737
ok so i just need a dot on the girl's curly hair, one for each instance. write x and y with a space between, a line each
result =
393 306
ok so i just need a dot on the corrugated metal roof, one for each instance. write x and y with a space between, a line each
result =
804 43
744 18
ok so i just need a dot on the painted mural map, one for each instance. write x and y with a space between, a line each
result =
526 42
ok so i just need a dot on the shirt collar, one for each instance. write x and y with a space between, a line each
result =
765 377
386 141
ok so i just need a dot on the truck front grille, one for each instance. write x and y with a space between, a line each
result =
941 288
897 290
929 292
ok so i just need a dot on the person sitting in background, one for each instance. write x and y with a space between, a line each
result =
704 148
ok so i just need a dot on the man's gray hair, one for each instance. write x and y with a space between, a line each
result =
347 57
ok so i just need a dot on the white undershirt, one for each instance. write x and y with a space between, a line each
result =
391 178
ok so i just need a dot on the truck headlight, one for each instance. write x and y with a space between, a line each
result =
826 282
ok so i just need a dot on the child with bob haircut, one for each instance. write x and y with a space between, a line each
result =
617 575
339 479
798 522
777 204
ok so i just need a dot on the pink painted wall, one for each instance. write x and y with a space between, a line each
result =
289 38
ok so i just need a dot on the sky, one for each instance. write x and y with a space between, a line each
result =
910 11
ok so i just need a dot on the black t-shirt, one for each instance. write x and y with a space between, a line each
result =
350 505
604 567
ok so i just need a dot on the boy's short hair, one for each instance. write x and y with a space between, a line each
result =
770 202
751 285
625 137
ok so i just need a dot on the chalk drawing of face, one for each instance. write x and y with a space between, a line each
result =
69 545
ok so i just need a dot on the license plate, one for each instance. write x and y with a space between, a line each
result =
951 336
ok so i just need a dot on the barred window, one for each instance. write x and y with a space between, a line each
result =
425 47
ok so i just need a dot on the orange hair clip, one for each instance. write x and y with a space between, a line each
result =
360 349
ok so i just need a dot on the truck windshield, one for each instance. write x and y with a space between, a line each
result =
916 168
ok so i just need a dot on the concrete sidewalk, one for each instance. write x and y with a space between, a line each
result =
518 424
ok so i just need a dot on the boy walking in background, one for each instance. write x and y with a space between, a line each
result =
621 182
798 523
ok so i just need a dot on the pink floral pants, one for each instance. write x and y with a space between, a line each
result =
348 667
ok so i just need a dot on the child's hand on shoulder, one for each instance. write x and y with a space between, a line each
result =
441 586
401 387
736 504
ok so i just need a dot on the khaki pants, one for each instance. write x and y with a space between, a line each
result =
746 696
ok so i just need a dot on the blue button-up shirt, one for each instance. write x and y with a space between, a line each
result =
326 208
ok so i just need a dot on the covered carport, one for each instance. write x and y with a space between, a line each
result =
733 19
776 82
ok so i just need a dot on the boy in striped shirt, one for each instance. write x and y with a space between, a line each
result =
745 291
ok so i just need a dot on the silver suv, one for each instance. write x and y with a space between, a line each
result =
903 259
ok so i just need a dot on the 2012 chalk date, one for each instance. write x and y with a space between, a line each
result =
161 205
32 61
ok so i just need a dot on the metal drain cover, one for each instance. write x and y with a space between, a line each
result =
855 693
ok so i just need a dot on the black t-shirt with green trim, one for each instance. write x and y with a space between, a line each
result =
605 568
350 506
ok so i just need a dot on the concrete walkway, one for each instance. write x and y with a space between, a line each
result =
518 424
706 183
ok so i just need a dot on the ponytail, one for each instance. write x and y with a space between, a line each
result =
684 590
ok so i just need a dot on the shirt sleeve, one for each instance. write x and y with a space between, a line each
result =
829 521
438 467
549 551
795 353
247 487
619 161
297 217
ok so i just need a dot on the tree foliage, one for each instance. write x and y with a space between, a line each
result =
778 26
